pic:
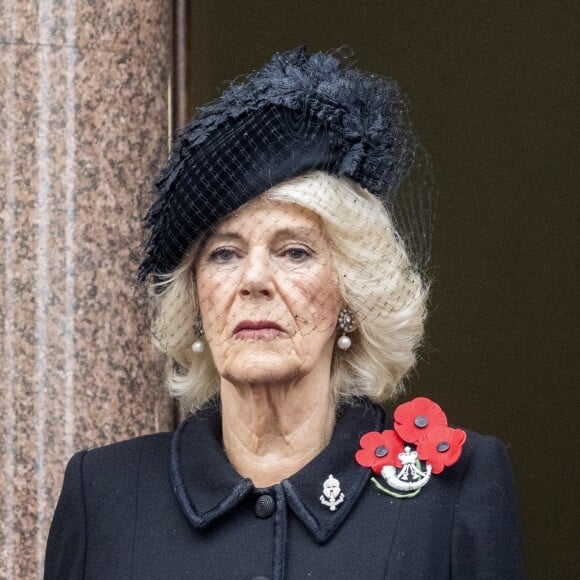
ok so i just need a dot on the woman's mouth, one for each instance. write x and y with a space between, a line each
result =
257 329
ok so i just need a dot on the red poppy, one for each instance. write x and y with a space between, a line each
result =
441 447
415 420
379 449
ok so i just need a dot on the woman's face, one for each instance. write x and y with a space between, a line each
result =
268 294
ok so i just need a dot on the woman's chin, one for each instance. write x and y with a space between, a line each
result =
263 367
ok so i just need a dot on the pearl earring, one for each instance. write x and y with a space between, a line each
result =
345 323
198 346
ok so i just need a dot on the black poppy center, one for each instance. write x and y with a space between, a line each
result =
443 446
381 451
421 421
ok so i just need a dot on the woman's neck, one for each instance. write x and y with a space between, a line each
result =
271 431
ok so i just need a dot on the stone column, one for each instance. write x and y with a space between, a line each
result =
83 128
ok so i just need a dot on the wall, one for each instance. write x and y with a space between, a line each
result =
83 125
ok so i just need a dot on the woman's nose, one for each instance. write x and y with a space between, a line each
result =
257 275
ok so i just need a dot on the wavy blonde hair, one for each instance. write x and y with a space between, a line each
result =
376 281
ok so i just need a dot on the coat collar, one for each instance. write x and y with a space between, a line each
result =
207 487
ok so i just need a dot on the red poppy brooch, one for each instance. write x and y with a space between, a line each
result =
421 444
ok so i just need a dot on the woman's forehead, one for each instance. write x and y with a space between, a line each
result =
266 215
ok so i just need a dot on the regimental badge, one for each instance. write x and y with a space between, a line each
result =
410 477
421 444
331 494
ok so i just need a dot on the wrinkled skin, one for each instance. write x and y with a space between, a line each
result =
268 295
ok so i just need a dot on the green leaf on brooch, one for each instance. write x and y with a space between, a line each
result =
394 493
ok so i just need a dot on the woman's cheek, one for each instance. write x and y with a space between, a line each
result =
215 293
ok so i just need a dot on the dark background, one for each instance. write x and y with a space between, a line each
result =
492 87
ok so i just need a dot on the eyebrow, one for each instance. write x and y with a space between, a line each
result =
296 232
224 236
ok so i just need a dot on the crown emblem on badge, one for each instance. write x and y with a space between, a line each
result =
410 477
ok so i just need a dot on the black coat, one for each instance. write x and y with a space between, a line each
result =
171 506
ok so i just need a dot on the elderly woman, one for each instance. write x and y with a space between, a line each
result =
285 262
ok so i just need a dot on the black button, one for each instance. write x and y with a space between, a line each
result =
443 446
421 421
265 506
381 451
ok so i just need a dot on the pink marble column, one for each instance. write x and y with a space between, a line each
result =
83 128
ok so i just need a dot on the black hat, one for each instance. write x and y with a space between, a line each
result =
300 112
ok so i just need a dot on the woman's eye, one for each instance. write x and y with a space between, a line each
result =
222 255
297 254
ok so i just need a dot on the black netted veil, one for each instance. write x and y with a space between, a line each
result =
298 113
245 159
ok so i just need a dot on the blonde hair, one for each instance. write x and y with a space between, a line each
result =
376 281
